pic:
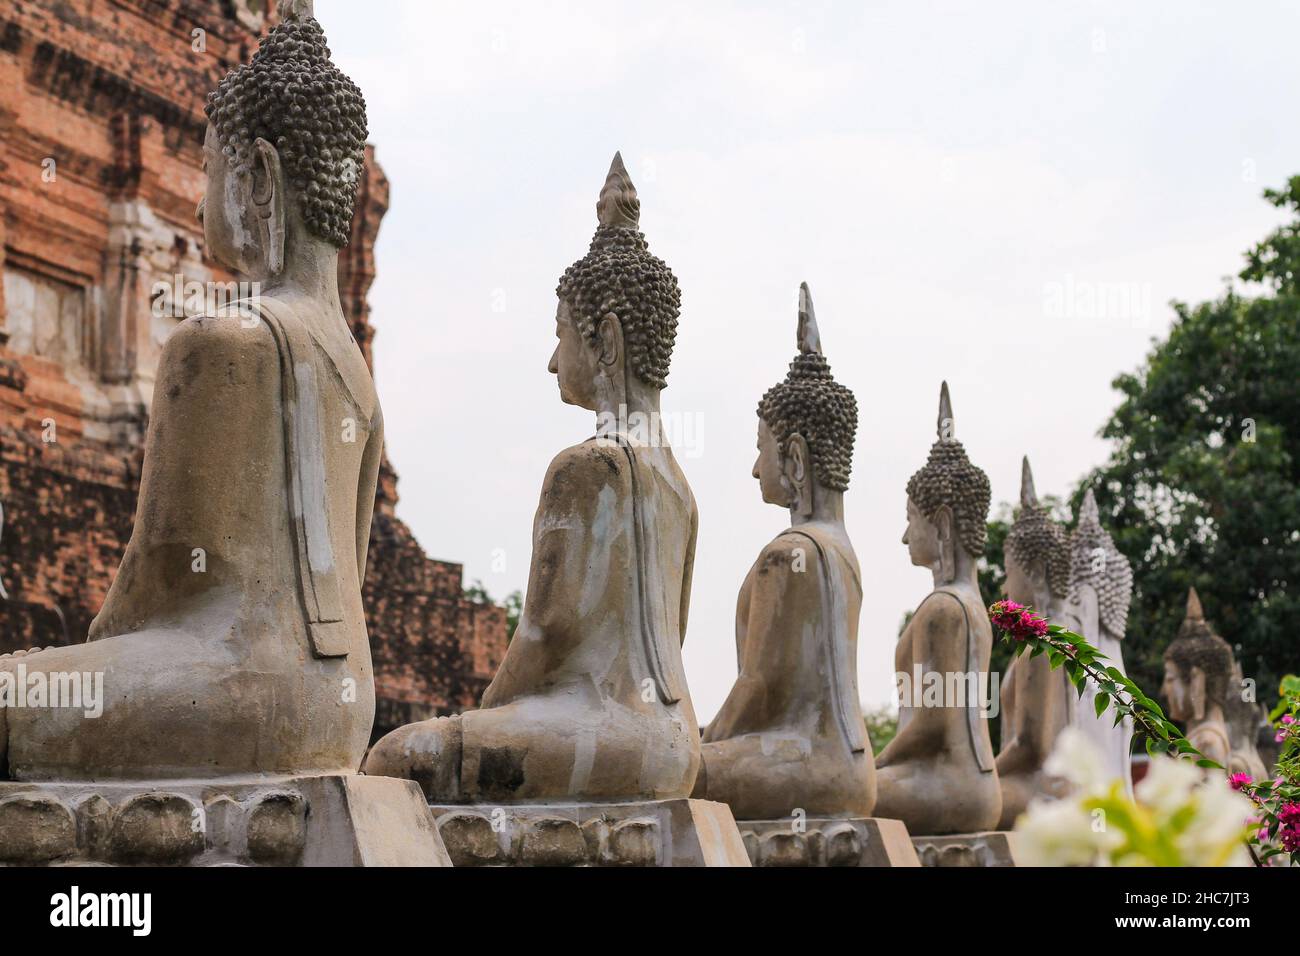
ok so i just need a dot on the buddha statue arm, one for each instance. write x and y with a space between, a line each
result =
688 572
574 532
938 634
785 598
218 386
366 487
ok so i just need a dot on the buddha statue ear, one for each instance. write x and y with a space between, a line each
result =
609 339
268 203
943 525
1196 693
797 471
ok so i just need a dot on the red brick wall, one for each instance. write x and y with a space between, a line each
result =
112 91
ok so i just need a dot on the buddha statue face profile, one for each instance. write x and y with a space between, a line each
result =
947 504
806 428
616 316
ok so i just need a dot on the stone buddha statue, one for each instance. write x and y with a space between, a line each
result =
1198 671
1101 587
590 702
1037 702
790 735
232 641
938 774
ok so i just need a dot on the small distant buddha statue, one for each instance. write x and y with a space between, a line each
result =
1037 702
233 640
938 774
590 702
1101 587
1198 672
790 735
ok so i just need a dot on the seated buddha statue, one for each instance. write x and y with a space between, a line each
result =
232 640
1037 702
1101 587
938 775
590 702
1198 671
790 735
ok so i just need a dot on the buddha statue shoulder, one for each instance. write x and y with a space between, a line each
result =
233 639
1037 702
1199 667
790 734
938 774
590 702
1101 587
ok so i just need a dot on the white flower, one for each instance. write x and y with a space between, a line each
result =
1058 833
1076 759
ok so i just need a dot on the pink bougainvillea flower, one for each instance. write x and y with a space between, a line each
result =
1239 780
1279 736
1288 719
1017 620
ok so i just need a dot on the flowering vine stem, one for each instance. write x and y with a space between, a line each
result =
1028 632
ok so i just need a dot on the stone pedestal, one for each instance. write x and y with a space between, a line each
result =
990 848
337 820
655 833
828 841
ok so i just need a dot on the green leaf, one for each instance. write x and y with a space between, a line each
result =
1101 703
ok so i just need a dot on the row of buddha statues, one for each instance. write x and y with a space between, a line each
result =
236 671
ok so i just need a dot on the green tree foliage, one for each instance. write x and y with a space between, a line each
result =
1203 483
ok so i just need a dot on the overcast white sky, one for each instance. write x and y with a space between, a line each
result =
1003 195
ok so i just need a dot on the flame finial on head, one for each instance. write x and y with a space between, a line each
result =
618 205
1089 516
1194 612
1028 496
809 338
298 10
945 428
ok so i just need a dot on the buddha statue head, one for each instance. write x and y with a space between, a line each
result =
616 320
1198 666
1037 551
947 504
284 151
806 427
1096 565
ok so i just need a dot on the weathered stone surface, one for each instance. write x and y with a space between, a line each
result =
470 839
331 820
156 828
656 833
828 841
35 829
635 843
993 848
553 841
277 828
